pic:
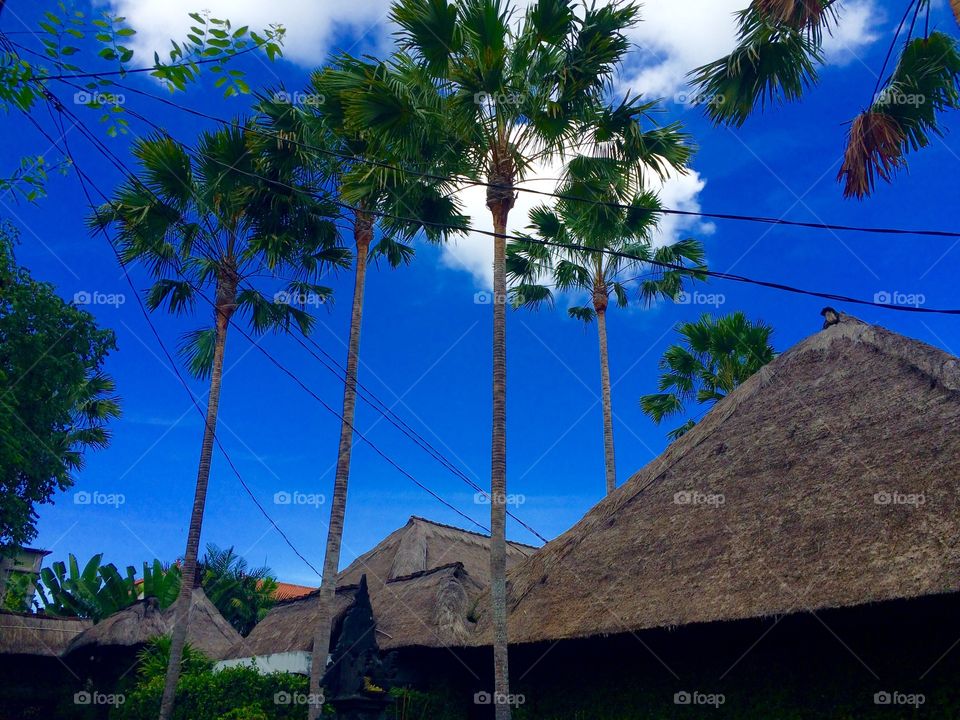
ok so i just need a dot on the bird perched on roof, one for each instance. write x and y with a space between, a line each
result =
830 317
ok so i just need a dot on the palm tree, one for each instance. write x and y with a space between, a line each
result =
242 594
209 223
506 93
780 47
713 358
609 222
379 196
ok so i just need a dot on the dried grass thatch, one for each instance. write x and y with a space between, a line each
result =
43 635
423 579
208 631
838 466
955 6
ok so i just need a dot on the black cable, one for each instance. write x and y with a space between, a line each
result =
559 196
83 178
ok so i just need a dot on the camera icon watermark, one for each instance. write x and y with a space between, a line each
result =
497 98
485 498
97 99
885 497
892 96
695 497
95 297
298 698
896 297
496 698
296 497
696 99
485 297
884 697
95 497
298 98
285 297
699 298
699 698
86 697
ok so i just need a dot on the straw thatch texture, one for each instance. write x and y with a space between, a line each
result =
44 635
208 631
423 579
838 468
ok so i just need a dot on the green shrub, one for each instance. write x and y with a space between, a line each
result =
237 693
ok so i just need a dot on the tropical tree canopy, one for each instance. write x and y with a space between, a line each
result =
714 356
243 595
780 47
55 399
211 222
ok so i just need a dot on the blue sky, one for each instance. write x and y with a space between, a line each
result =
426 343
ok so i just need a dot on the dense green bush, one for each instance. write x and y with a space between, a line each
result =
238 693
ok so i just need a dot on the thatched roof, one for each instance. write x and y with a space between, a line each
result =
29 634
838 467
208 631
423 579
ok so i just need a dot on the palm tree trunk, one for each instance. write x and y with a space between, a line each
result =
363 234
500 200
609 458
225 306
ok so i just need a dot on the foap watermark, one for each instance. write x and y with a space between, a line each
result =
84 497
296 497
485 498
886 497
700 298
285 297
695 497
298 698
694 99
498 98
298 98
497 698
485 297
96 99
86 697
95 297
896 297
891 96
885 697
699 698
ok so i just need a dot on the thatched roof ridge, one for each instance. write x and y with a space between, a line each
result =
416 575
38 634
133 626
828 479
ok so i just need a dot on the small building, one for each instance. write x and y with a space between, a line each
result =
22 561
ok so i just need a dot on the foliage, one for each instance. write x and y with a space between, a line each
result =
29 180
237 693
713 358
16 591
436 703
209 221
600 213
153 658
243 595
55 399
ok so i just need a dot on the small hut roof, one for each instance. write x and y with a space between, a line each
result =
208 631
37 634
828 479
423 579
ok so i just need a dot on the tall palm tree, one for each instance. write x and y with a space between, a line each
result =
712 359
509 92
605 219
380 196
780 46
208 223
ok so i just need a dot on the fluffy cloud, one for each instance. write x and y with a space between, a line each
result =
474 253
311 25
676 37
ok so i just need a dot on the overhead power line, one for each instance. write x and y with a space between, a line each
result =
759 219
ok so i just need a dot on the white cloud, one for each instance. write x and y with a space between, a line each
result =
311 24
677 37
474 253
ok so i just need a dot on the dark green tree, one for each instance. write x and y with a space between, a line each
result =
713 357
242 594
55 399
